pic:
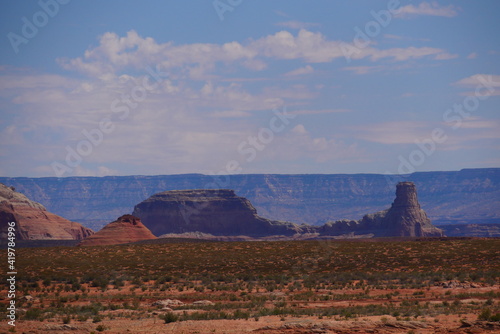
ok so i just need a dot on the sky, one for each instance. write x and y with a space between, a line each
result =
96 88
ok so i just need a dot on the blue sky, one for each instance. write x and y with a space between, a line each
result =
168 87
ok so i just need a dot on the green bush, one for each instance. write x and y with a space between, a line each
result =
33 314
170 317
484 315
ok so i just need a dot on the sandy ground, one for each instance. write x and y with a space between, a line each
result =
270 324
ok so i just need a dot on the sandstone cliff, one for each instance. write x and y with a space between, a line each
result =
223 213
218 212
125 229
33 221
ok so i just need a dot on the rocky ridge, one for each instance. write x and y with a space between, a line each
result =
33 221
125 229
468 196
223 213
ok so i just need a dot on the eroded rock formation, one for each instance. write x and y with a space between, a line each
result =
223 213
405 218
124 230
218 212
33 221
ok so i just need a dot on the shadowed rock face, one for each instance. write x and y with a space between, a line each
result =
33 221
218 212
125 229
222 213
405 218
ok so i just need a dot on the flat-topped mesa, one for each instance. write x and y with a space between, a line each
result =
33 221
217 212
124 230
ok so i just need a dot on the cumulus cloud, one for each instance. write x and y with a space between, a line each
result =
115 54
192 120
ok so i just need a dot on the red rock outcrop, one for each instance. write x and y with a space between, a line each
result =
33 221
124 230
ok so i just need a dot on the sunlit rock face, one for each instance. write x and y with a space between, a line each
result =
124 230
33 221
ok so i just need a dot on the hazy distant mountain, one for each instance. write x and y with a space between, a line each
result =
466 196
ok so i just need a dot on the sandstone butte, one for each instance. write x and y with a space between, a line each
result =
222 213
33 221
124 230
405 218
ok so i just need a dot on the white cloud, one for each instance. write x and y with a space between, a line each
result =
308 69
478 123
445 56
300 144
99 171
408 53
429 9
300 129
365 69
29 81
115 55
485 84
195 117
479 79
473 133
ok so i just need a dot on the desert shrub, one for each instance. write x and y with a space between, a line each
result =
486 315
33 314
170 317
82 317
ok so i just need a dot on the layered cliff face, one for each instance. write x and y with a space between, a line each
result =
33 221
125 229
218 212
405 218
456 197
